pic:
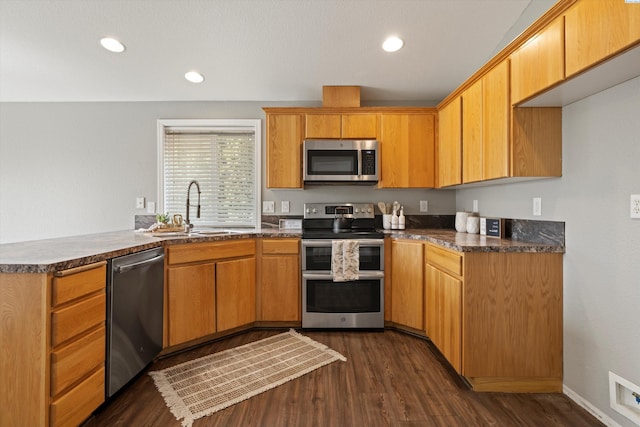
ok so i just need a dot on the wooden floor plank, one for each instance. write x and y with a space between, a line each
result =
389 379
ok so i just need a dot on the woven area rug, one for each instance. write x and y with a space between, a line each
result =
206 385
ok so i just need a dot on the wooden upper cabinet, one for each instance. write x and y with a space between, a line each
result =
323 126
284 150
539 63
484 128
536 142
407 150
336 126
597 29
495 122
449 148
360 126
472 133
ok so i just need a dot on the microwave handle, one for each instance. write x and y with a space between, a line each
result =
360 162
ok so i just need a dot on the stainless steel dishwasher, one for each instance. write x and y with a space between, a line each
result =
134 315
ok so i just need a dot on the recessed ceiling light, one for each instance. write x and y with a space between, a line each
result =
112 44
194 77
392 44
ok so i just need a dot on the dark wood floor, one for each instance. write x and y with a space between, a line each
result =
389 379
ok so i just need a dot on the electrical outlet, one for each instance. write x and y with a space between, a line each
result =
475 206
424 206
284 206
151 207
268 207
537 206
635 206
139 202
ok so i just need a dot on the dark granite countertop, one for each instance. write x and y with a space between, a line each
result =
49 255
465 242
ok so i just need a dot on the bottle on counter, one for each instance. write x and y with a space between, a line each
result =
401 219
394 220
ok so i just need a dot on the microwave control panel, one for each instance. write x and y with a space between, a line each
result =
368 162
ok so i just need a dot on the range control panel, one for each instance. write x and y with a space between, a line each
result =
332 210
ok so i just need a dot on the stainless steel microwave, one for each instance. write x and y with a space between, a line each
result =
345 161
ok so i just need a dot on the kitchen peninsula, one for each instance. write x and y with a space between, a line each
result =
506 300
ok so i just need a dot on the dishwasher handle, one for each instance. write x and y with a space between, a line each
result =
128 267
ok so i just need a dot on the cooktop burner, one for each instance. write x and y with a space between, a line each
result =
339 221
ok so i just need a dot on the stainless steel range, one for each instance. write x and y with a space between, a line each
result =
342 267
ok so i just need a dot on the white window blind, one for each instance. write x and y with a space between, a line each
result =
224 160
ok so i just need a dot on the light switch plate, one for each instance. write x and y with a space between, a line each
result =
635 206
268 207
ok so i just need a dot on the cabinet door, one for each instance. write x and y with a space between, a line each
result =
323 126
449 148
539 63
284 150
444 314
472 133
280 288
407 297
408 150
236 293
495 121
191 302
451 300
597 29
359 126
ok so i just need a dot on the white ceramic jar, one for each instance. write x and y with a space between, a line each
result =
473 224
461 221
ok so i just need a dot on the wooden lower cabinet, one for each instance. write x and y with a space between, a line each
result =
191 300
279 281
235 293
407 293
210 287
497 317
78 336
443 302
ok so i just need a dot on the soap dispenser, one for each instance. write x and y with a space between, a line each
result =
401 219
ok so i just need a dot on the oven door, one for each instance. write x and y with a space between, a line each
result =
354 304
316 255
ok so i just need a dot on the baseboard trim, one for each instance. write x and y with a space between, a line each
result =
584 403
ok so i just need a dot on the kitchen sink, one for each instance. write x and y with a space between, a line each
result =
212 232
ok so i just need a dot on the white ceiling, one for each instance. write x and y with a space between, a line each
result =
250 50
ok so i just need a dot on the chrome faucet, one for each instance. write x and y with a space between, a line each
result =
189 204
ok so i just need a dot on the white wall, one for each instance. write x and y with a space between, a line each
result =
77 168
601 152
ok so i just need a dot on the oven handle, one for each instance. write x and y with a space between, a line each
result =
326 243
362 275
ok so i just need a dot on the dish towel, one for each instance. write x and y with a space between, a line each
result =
345 260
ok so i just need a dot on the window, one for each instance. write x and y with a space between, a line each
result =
223 156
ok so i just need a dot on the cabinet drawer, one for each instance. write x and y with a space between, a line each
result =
196 252
280 246
443 259
71 363
77 318
74 407
69 285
